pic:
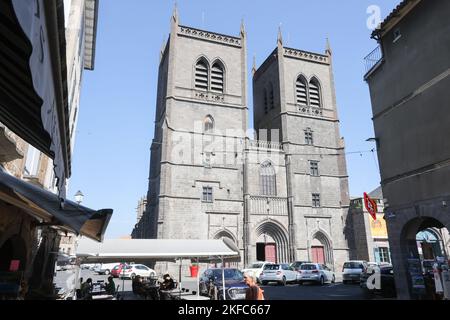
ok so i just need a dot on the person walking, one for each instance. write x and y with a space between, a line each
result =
254 292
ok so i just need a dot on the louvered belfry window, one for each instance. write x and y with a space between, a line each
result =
217 80
314 93
302 98
201 75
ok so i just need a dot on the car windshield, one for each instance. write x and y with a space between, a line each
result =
230 274
297 264
256 266
272 267
353 265
308 267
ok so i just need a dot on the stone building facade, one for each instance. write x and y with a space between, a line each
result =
368 238
408 77
39 101
280 197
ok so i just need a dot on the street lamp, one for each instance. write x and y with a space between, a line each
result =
79 197
376 140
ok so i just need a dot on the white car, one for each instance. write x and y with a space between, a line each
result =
315 272
280 273
256 268
137 270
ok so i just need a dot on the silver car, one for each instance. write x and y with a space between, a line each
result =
315 272
280 273
352 271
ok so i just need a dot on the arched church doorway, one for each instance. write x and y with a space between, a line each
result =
321 251
226 234
271 243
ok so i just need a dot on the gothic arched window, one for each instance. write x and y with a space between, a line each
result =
217 77
301 91
201 75
314 93
268 179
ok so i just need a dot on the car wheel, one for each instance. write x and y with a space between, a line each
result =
107 272
133 275
283 282
300 283
264 283
333 280
344 281
322 281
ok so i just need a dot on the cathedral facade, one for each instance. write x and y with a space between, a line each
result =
280 191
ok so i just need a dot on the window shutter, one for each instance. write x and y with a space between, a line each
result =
217 78
314 94
201 76
301 92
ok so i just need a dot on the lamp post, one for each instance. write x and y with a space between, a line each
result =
79 197
376 140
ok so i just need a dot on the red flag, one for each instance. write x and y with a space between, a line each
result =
371 206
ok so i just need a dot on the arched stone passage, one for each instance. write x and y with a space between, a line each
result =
321 250
420 240
275 232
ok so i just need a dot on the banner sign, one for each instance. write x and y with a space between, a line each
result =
371 206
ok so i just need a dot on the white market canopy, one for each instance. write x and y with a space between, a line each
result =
144 250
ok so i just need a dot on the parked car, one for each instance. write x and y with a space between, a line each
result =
352 270
296 264
281 273
256 268
105 268
118 269
315 272
386 282
211 283
130 271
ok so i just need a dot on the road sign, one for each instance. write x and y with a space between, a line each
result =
371 206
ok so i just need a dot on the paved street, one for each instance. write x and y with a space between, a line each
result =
336 291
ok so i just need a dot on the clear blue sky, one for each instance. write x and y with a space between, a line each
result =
112 151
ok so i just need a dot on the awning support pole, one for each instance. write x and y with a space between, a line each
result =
123 280
223 281
181 261
198 279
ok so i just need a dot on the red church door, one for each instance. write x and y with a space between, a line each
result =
271 252
318 255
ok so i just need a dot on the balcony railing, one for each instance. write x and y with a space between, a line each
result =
373 58
264 205
260 144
